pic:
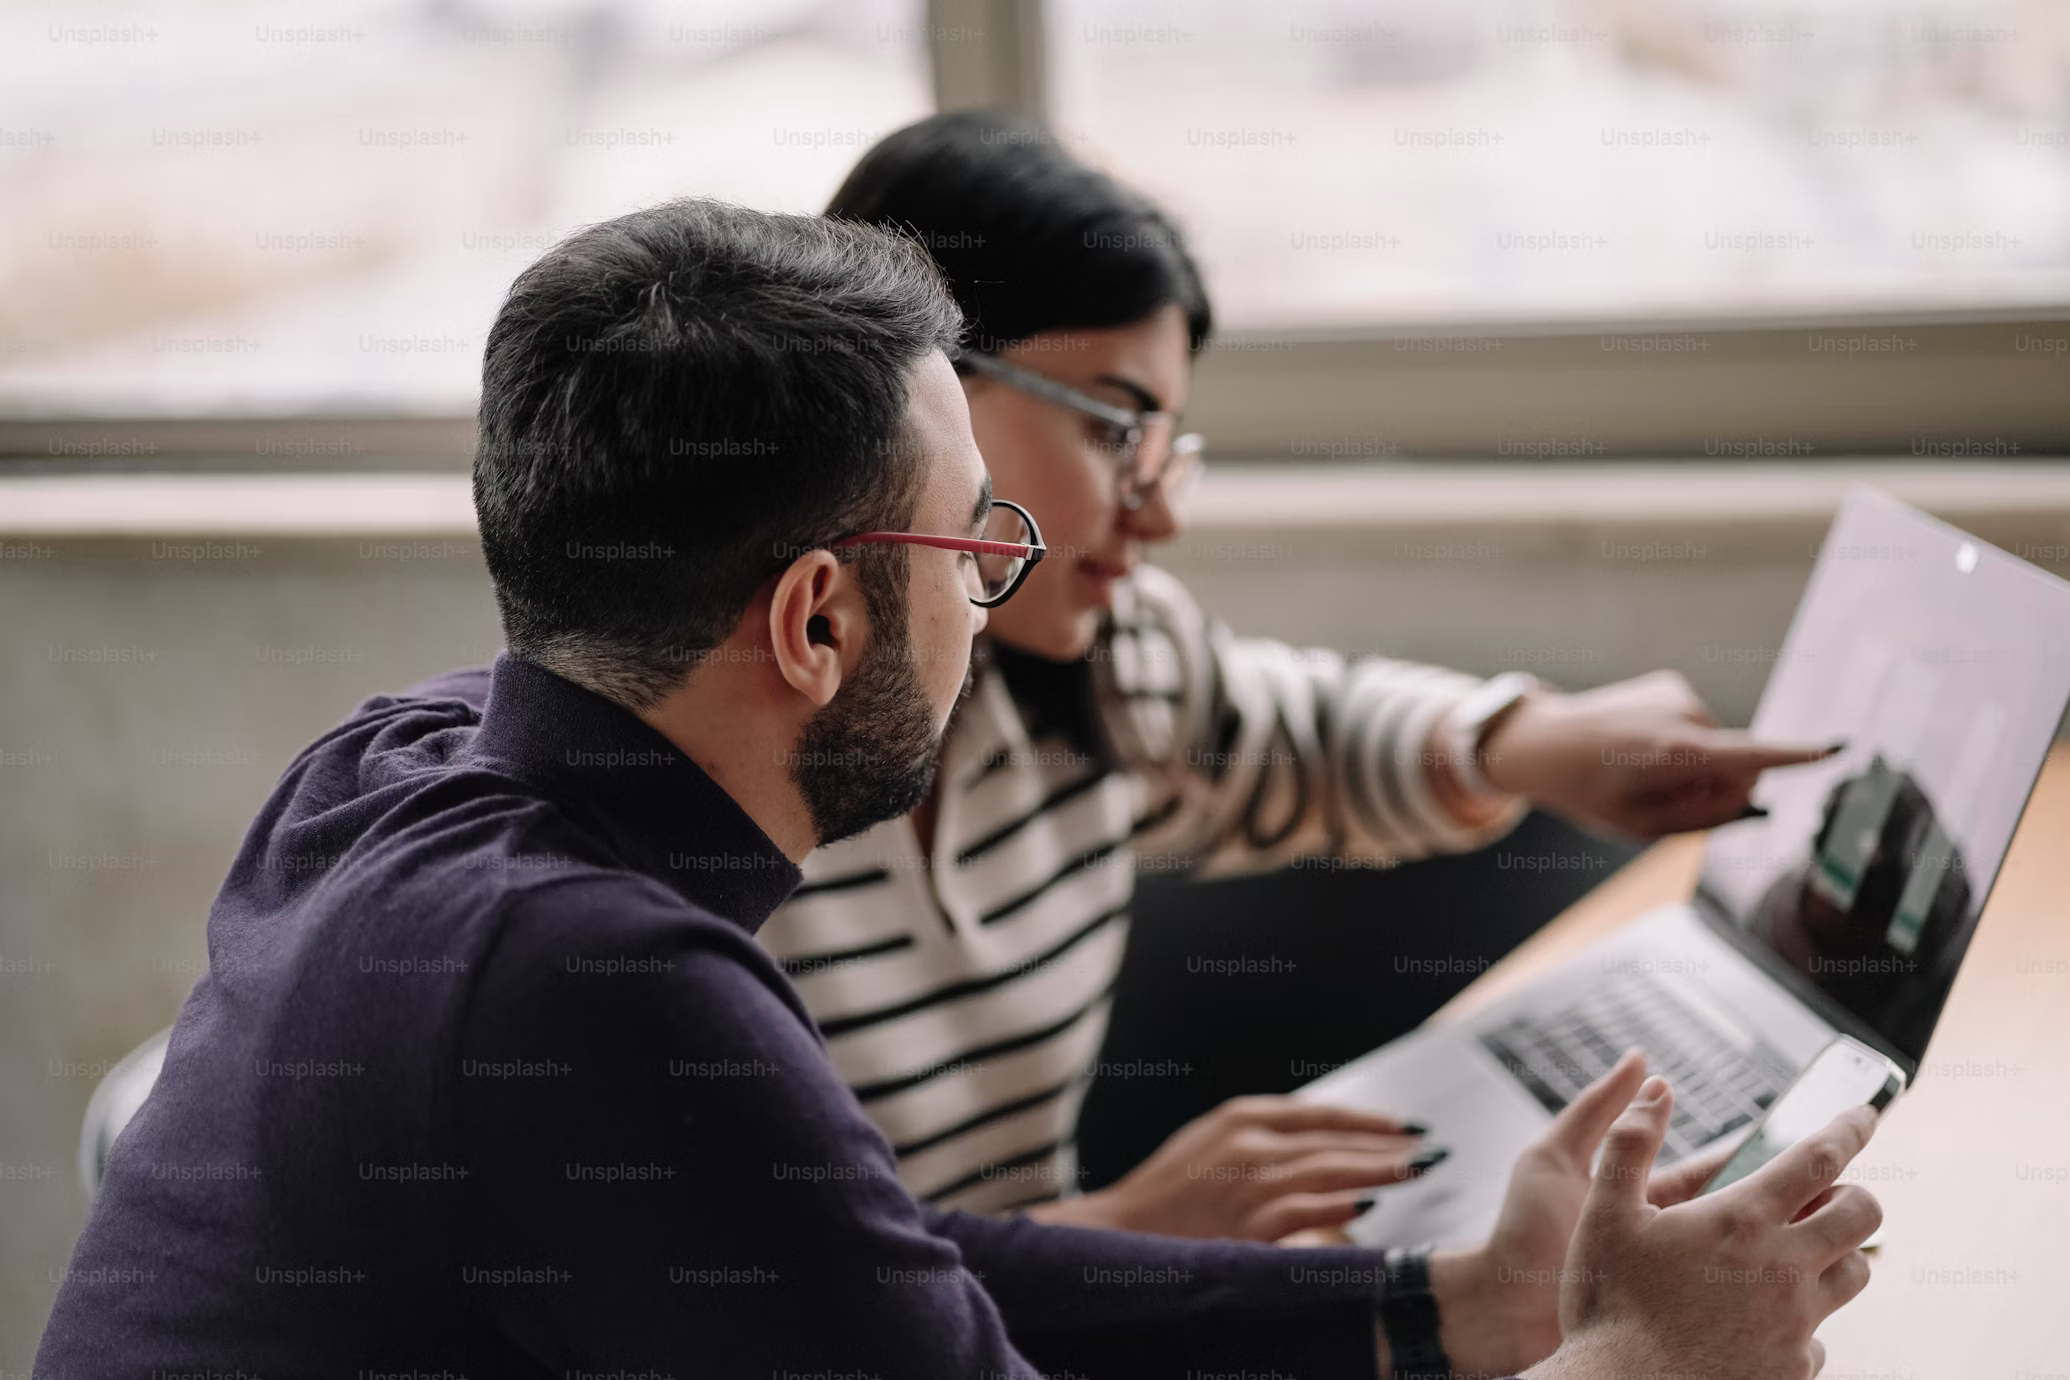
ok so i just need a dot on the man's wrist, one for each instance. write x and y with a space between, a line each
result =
1477 1338
1598 1352
1478 1321
1409 1319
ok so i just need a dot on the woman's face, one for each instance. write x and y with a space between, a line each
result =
1058 464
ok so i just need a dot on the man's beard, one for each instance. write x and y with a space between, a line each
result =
869 755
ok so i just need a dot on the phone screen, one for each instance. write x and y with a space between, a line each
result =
1846 1073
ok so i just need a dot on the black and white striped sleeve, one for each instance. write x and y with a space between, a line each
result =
1254 754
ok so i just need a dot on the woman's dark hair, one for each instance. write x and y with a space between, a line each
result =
1030 238
674 403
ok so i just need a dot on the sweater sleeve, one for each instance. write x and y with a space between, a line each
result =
1254 754
662 1160
664 1175
1085 1302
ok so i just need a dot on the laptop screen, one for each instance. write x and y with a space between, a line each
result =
1944 665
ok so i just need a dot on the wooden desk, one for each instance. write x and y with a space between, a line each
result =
1973 1167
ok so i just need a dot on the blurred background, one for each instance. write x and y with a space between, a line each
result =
1553 331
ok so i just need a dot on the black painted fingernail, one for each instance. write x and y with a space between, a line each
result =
1365 1204
1429 1159
1752 812
1415 1128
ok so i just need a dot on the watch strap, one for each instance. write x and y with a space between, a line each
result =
1409 1316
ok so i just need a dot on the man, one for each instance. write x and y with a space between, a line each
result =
489 1076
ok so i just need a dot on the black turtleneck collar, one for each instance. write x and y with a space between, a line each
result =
656 803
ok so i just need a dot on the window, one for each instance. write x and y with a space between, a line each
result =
221 209
1362 163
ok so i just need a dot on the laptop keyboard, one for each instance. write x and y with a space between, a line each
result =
1719 1087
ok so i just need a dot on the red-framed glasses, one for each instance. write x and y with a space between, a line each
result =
999 561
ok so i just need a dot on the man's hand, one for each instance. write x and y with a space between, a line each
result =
1642 757
1730 1286
1254 1168
1500 1304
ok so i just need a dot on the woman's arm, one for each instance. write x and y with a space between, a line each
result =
1255 753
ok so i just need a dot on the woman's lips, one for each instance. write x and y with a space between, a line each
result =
1102 576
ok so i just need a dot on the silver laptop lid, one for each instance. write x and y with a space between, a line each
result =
1944 665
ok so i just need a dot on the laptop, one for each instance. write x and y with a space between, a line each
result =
1943 664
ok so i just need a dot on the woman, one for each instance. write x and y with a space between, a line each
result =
959 960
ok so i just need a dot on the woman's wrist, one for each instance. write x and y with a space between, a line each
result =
1462 768
1520 747
1095 1209
1467 810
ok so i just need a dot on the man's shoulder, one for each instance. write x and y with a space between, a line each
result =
467 685
386 738
599 979
576 918
573 902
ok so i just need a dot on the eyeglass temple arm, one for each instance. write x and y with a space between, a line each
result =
1028 381
1030 552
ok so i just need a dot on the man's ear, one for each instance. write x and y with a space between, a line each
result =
817 624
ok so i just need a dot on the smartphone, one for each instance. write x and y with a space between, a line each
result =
1846 1073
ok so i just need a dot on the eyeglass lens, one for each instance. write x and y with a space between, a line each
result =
996 574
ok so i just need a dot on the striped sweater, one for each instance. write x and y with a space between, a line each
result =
963 990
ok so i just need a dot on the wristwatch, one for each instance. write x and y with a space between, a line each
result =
1409 1316
1460 732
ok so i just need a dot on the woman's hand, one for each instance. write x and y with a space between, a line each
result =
1642 757
1256 1169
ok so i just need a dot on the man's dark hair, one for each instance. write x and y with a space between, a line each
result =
1031 238
675 403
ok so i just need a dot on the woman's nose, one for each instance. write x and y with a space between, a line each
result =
1153 519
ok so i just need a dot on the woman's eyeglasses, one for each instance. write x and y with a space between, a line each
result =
999 561
1146 455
